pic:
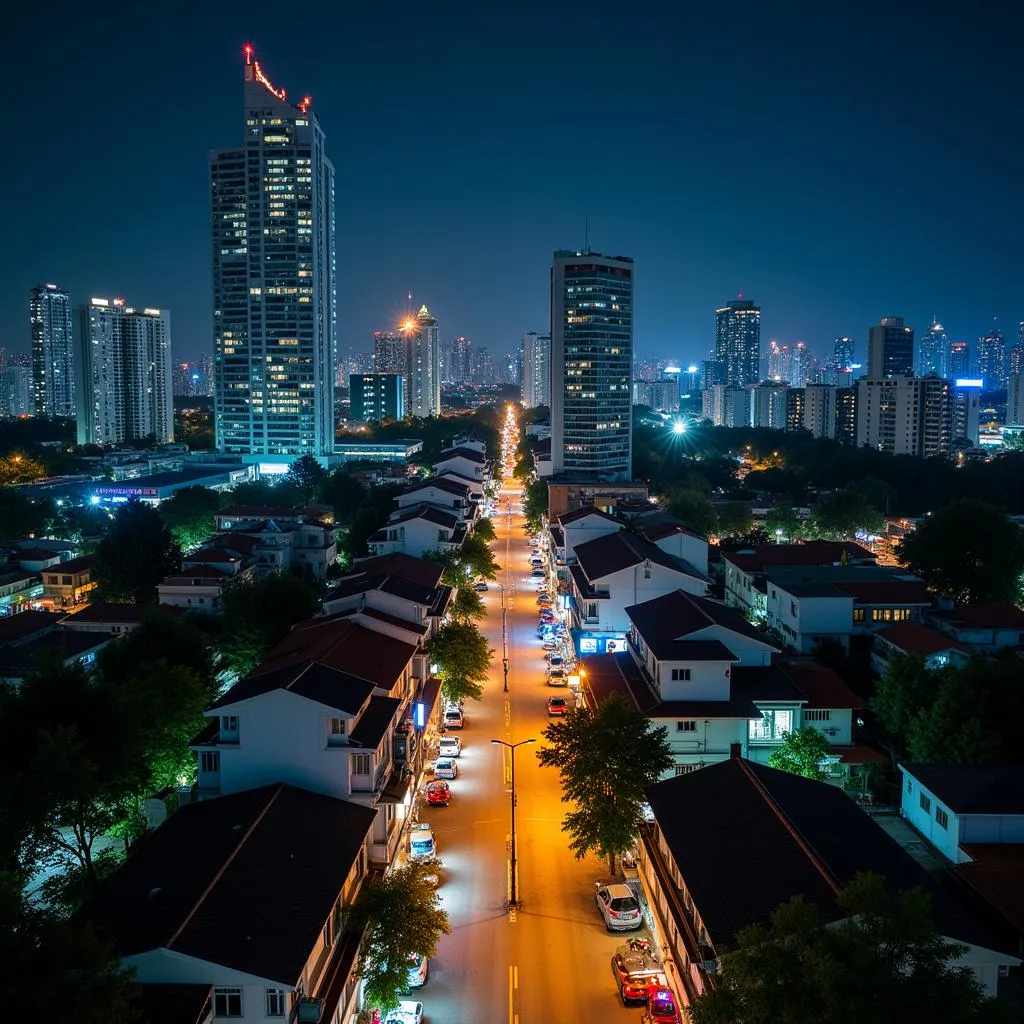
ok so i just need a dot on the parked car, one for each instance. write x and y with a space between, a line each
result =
550 645
407 1012
661 1007
421 842
554 660
445 768
636 973
439 793
619 908
417 971
543 599
557 677
557 706
449 746
453 719
547 615
538 574
481 585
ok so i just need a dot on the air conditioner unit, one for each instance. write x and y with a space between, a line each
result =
310 1010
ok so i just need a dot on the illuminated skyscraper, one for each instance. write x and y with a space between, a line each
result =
388 352
53 372
536 370
591 364
422 365
992 359
890 349
738 341
274 280
842 354
933 352
1015 357
959 360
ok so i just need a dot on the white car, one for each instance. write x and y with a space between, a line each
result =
445 768
407 1012
450 746
619 908
421 842
557 677
418 970
453 719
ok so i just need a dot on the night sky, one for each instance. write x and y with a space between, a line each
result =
834 167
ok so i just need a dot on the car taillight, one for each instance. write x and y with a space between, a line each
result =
613 913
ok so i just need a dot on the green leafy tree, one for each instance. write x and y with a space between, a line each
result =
801 753
259 614
135 555
969 550
463 660
606 758
307 476
22 517
734 519
476 555
693 509
160 636
886 962
189 513
905 687
782 521
954 725
484 529
535 505
19 468
468 605
402 917
841 514
344 493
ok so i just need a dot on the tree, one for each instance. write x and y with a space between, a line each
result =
905 686
468 604
841 514
402 917
476 556
885 961
22 517
782 523
307 476
19 468
484 529
463 660
606 758
535 505
734 519
135 555
259 614
159 637
693 510
344 493
969 551
801 753
189 513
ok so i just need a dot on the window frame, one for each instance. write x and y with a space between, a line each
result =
227 992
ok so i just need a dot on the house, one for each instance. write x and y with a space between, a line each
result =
464 460
106 617
35 559
200 587
980 627
278 538
248 895
615 571
476 487
67 584
731 843
22 657
669 533
936 649
417 529
581 526
444 495
175 1004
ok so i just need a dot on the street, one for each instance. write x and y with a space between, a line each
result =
550 960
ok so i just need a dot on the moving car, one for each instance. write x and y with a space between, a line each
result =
481 585
421 842
619 908
407 1012
661 1007
636 973
439 793
453 719
557 706
557 677
445 768
450 746
417 971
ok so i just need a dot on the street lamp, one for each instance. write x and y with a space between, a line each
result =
513 880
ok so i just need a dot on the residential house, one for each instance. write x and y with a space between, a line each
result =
416 530
32 639
249 895
279 538
669 533
936 649
466 461
106 617
615 571
67 584
444 495
35 559
581 526
980 627
200 587
730 844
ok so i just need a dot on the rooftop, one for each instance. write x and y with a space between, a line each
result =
18 660
464 453
916 639
986 616
993 874
614 552
812 552
417 570
25 624
320 683
823 686
107 611
568 518
374 722
973 789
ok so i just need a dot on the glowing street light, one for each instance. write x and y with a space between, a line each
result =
679 427
513 900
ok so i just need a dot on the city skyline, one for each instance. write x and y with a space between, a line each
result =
797 225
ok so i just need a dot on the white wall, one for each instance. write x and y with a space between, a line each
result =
585 529
688 547
689 748
418 536
631 586
748 651
946 840
839 719
814 618
461 465
709 680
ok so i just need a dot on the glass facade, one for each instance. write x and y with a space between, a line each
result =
53 373
738 342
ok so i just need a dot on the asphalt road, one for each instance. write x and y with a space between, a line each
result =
550 960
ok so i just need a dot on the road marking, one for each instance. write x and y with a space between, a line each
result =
511 998
508 717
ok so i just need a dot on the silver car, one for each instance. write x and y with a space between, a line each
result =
619 908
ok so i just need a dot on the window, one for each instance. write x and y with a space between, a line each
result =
772 727
685 769
686 726
275 1002
858 614
816 715
229 723
227 1002
335 730
926 803
941 818
910 786
328 933
792 608
681 675
209 762
65 581
361 764
647 570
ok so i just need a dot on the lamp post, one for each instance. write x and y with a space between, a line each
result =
513 900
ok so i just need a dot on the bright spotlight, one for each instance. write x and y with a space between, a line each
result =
679 427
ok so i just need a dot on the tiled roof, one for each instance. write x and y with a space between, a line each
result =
394 620
659 531
557 536
466 453
747 838
374 722
18 660
664 620
568 518
614 552
218 878
273 511
994 873
81 564
209 555
812 552
824 686
238 541
459 490
973 789
430 514
417 570
987 616
886 591
104 611
35 555
200 572
310 679
17 627
915 639
767 684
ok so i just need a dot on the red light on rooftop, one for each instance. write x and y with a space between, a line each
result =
247 50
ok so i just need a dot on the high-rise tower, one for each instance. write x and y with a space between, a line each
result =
933 352
890 349
536 388
592 364
422 365
53 368
738 341
991 354
274 316
388 352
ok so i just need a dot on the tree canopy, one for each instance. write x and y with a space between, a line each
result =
463 660
535 505
137 552
734 519
782 521
969 551
801 753
839 515
307 476
189 513
693 509
606 758
484 529
885 962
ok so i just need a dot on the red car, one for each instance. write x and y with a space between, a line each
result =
439 793
636 973
557 706
661 1007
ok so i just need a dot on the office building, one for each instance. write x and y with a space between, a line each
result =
274 326
1015 356
820 410
738 341
959 360
388 352
712 372
842 354
991 360
591 364
536 386
422 365
778 361
890 349
374 397
905 415
966 410
846 415
662 395
53 372
124 378
768 405
1015 400
794 409
16 398
689 381
933 352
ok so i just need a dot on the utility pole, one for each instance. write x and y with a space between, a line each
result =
513 898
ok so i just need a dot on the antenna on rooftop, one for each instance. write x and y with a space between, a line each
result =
586 236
